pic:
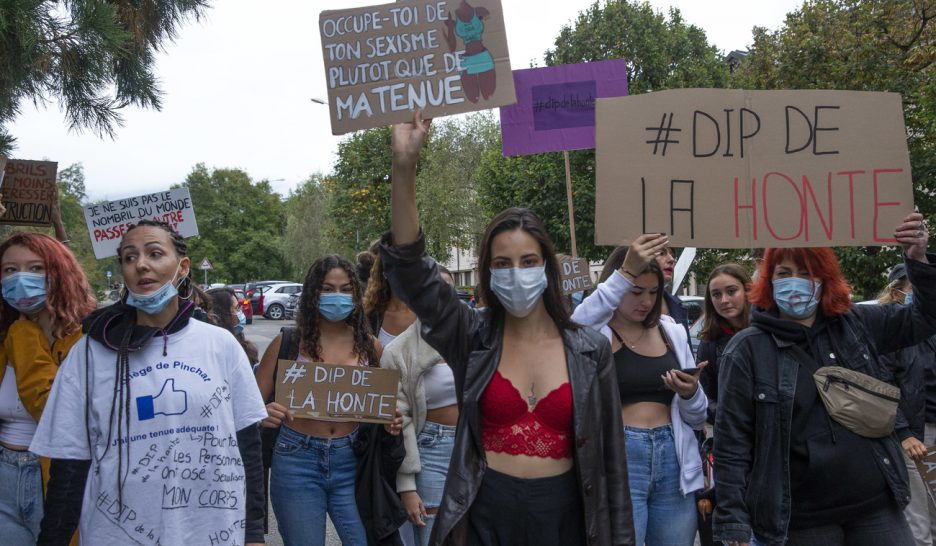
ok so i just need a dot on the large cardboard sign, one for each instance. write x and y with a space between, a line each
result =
724 168
555 109
574 274
107 222
332 392
441 56
28 189
927 470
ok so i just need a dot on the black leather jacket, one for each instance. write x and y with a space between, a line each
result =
757 382
471 344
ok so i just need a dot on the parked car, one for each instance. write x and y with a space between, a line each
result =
245 304
695 307
275 297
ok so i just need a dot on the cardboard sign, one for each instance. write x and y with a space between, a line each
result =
927 469
555 109
331 392
441 56
107 222
721 168
28 191
574 274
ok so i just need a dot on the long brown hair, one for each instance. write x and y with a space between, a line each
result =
378 294
69 297
524 219
307 311
713 323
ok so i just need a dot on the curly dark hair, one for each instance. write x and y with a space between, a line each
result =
308 317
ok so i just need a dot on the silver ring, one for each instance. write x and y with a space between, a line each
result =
919 233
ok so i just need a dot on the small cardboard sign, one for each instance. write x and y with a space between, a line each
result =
333 392
927 470
28 189
574 274
107 222
724 168
441 56
555 107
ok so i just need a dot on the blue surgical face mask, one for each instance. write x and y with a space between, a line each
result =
26 292
241 322
152 304
335 306
797 298
519 288
908 297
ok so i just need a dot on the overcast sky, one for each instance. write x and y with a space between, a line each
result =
238 86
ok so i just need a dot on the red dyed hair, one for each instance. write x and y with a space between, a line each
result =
69 297
821 264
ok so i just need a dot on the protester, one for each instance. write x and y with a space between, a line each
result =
727 312
665 259
45 296
313 470
162 409
661 404
911 367
365 262
387 315
227 311
525 467
785 470
428 402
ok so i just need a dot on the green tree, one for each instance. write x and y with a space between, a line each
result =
662 53
307 225
93 56
240 224
867 46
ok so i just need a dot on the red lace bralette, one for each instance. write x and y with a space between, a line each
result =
508 426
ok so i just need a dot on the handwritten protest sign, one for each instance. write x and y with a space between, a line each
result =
331 392
28 191
724 168
927 469
555 109
574 274
107 222
444 57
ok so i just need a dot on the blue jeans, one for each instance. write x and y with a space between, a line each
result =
435 444
20 497
309 476
662 515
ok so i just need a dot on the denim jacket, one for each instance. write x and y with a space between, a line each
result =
471 344
757 382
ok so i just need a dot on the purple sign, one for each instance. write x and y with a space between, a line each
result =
555 107
564 105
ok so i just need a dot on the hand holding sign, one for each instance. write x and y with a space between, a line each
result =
642 251
913 236
408 139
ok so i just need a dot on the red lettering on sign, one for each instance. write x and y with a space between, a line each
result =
879 204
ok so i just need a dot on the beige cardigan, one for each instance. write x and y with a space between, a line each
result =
410 354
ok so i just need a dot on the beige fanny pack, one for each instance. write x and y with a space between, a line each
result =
857 401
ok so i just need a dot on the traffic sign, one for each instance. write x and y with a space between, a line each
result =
205 265
109 274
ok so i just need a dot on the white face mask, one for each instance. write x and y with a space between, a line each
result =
518 289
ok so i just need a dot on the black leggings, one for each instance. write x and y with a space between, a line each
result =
511 511
885 525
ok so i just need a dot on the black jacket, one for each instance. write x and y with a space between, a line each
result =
710 351
757 383
471 344
908 369
379 457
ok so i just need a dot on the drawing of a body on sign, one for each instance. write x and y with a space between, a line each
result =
442 56
333 392
743 169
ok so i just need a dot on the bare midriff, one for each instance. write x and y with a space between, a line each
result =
447 415
322 429
646 414
527 467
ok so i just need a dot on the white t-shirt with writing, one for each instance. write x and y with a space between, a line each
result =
185 481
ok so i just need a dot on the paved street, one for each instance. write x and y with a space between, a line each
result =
261 333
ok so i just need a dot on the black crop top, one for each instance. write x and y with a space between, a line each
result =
639 377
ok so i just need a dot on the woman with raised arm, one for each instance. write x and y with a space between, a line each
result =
162 409
661 403
788 469
539 455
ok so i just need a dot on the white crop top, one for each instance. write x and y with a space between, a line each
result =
440 386
16 424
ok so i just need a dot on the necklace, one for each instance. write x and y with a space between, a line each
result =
624 341
531 400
